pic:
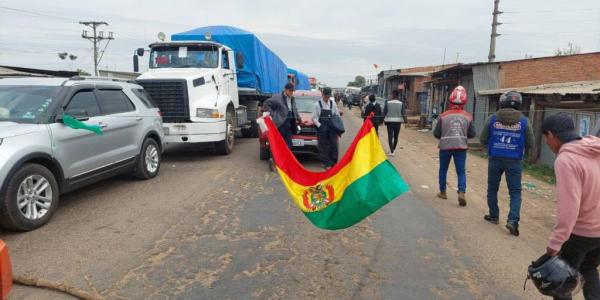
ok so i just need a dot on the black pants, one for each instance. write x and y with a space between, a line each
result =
328 146
286 132
393 129
583 254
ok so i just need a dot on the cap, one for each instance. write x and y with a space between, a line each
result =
326 91
290 86
562 126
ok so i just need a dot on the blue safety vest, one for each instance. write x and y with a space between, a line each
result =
507 141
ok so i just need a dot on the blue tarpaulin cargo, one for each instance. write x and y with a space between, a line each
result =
301 80
263 70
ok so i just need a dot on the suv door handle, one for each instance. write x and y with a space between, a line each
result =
139 118
102 125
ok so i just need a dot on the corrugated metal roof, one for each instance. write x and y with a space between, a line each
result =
416 74
10 72
579 87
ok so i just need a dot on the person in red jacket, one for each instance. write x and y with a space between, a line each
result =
576 235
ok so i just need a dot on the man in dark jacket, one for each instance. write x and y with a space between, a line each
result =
507 134
375 108
282 109
454 129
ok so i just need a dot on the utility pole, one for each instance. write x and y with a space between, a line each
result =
495 34
457 55
96 38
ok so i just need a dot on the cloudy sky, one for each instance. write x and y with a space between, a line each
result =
331 40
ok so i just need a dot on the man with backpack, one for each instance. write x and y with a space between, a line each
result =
373 108
507 134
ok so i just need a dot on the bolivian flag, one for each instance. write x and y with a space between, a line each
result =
358 185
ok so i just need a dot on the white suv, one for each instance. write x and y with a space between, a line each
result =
41 157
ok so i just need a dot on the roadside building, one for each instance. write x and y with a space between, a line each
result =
9 71
118 74
580 99
411 84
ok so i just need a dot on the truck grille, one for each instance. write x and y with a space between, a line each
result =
171 97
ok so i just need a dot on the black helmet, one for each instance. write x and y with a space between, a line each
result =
553 276
511 99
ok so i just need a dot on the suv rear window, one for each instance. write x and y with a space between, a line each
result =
114 102
144 97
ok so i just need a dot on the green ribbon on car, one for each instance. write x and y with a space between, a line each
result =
71 122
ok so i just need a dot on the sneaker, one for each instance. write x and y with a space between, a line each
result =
493 220
513 228
442 195
462 200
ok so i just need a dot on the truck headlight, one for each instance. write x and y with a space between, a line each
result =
207 113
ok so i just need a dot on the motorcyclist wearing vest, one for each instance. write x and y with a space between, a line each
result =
328 138
453 130
507 134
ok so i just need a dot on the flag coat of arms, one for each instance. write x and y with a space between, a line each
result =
358 185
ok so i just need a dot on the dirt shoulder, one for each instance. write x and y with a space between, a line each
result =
501 258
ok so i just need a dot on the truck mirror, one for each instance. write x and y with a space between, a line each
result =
136 64
140 51
239 60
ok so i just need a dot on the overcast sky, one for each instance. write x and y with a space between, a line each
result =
331 40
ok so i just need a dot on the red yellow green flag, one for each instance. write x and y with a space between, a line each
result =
358 185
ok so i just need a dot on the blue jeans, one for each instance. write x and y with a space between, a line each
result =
460 160
513 170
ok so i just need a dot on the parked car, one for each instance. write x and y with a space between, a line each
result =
42 158
306 141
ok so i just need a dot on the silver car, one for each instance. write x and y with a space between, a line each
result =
41 157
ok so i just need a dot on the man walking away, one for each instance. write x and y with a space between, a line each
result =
395 114
328 137
375 108
576 235
283 111
507 134
453 130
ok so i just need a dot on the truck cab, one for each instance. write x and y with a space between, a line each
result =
195 86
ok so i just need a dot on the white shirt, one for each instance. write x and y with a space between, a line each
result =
317 110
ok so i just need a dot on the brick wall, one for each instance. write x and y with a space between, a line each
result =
546 70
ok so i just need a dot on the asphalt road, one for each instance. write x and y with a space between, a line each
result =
222 227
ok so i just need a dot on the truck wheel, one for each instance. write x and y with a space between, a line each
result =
148 163
30 198
251 132
226 147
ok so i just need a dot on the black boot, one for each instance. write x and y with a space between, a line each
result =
491 219
513 228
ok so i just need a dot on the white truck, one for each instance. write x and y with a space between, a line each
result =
204 88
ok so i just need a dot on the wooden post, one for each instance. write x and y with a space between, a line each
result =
536 119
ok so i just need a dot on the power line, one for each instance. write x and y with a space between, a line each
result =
35 13
550 10
553 33
553 22
96 38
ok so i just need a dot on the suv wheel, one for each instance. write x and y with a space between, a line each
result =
148 164
30 198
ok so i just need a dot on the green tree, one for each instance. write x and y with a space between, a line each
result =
570 50
360 81
83 73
